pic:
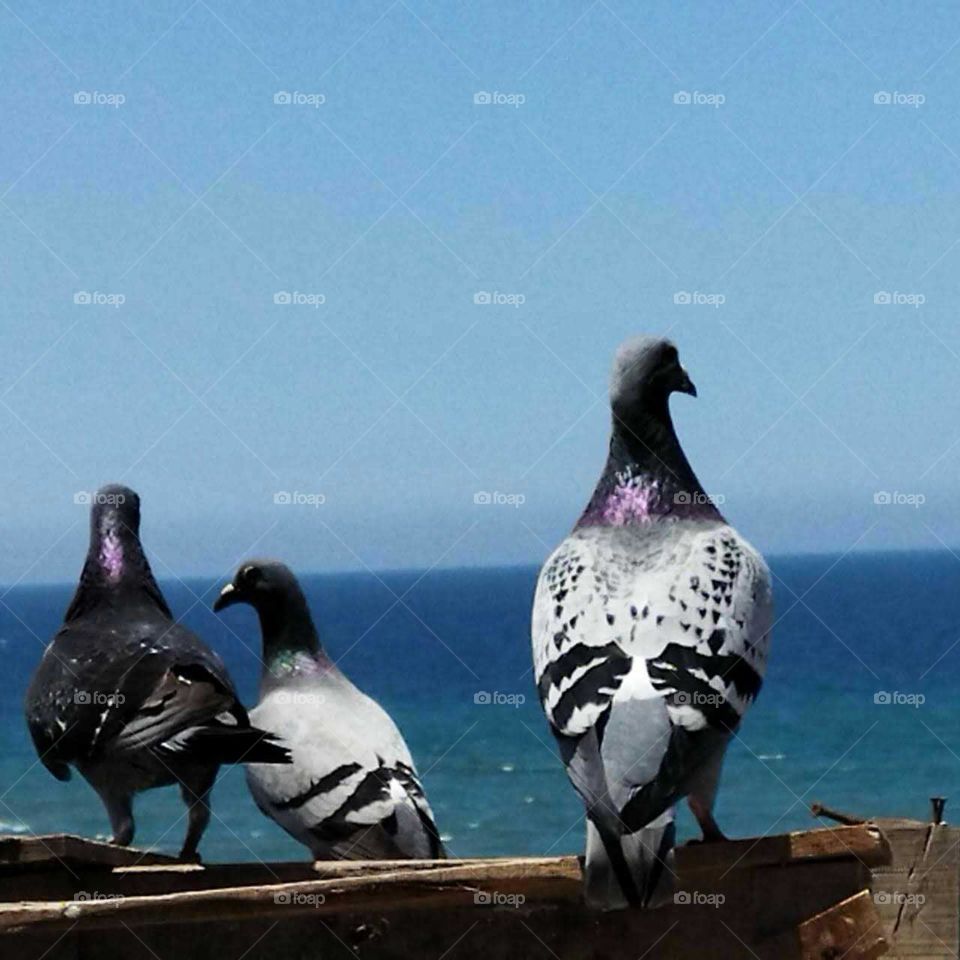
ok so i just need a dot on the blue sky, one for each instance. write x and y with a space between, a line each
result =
584 195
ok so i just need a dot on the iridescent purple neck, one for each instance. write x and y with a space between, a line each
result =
638 498
115 571
110 556
646 478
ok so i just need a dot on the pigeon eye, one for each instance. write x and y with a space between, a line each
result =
250 576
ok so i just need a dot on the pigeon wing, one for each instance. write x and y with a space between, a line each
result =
669 626
351 787
121 688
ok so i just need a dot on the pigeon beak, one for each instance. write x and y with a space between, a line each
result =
228 596
685 384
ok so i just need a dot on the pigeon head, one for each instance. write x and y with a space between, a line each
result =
646 370
647 475
271 588
261 583
115 560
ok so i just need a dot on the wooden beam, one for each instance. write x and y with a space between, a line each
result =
917 895
56 848
458 886
850 929
863 842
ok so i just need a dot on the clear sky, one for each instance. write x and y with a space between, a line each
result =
782 200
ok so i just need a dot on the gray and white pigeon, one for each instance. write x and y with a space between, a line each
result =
650 633
129 697
352 791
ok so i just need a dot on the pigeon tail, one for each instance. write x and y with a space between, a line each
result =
229 745
633 869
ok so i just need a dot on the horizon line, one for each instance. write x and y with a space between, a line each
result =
532 564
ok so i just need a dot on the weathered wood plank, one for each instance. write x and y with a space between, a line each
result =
917 895
863 842
850 929
556 879
729 901
54 849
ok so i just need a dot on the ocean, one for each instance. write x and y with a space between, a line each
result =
859 709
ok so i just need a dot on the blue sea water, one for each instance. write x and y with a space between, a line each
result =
849 630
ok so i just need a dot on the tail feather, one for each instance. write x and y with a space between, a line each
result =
634 869
218 744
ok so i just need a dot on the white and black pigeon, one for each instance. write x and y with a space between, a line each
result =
352 791
129 697
650 634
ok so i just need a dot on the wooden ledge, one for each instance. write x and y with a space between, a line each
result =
863 842
53 848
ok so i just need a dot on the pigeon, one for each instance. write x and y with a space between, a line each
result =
129 697
650 632
352 791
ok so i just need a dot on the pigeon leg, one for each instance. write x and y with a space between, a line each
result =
708 826
196 795
703 792
120 811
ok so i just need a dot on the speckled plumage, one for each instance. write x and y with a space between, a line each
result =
650 635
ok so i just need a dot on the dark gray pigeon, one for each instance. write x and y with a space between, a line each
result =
650 633
352 791
129 697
